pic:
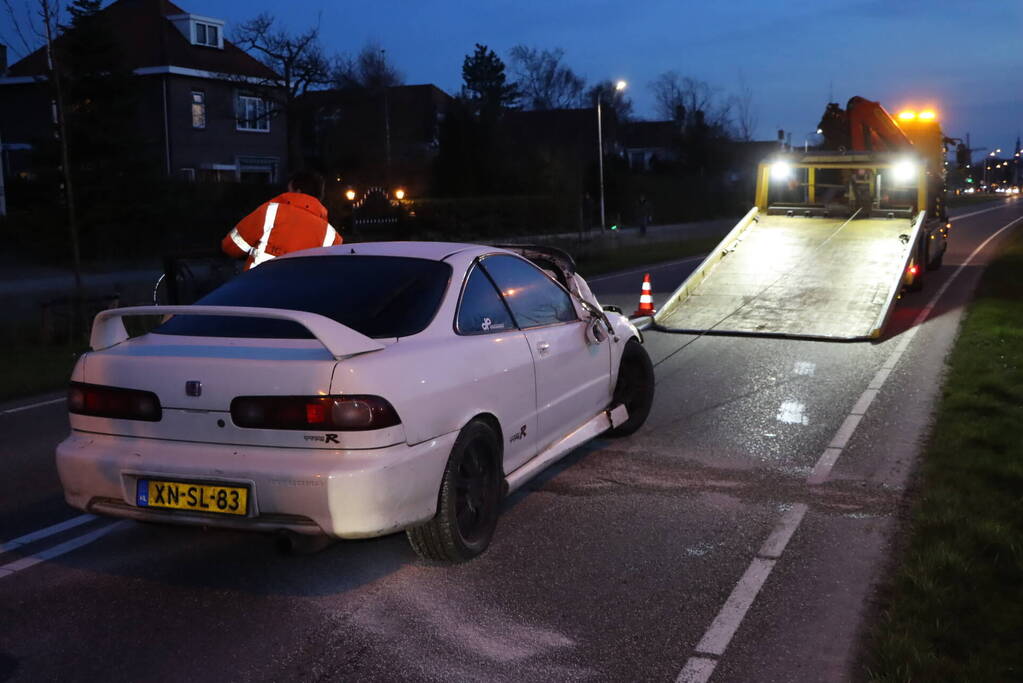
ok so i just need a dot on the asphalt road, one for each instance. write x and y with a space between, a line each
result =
738 536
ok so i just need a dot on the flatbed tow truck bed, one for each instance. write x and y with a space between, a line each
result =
794 276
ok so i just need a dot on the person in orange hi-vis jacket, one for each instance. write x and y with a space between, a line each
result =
288 222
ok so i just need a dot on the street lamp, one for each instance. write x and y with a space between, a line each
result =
619 86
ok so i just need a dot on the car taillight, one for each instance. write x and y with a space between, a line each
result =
317 413
124 404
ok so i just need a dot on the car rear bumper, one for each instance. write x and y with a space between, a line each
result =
342 493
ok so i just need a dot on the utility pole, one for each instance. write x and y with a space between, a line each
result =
64 159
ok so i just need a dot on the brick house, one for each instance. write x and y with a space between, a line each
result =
200 111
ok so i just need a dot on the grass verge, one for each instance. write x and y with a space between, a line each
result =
36 369
598 262
953 610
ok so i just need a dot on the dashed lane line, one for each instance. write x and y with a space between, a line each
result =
8 546
30 406
828 459
712 646
56 551
977 213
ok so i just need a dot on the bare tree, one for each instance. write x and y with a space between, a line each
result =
544 81
611 99
690 100
369 69
742 106
300 62
22 25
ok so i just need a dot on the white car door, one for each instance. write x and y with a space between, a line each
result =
573 377
497 353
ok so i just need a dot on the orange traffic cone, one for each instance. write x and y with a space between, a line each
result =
646 299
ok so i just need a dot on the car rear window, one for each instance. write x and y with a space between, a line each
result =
379 296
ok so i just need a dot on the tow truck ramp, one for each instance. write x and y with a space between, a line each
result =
796 275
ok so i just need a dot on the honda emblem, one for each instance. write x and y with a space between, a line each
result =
193 387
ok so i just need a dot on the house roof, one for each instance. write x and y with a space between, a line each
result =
146 38
649 134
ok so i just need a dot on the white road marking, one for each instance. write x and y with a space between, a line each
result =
715 641
866 398
845 432
804 368
32 405
977 213
697 670
823 467
645 269
822 470
792 412
721 630
45 533
779 538
58 550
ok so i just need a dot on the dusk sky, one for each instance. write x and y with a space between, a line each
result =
962 58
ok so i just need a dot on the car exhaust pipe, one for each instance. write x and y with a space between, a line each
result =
288 542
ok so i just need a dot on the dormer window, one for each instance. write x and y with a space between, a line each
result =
207 34
204 31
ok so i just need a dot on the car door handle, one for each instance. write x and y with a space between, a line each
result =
543 348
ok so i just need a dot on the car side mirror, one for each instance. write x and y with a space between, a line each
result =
596 332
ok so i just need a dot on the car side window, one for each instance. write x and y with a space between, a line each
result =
481 310
534 298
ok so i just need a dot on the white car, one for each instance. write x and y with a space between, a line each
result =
353 391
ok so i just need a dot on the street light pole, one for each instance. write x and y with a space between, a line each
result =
600 162
619 86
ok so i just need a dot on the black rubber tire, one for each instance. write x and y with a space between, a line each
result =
468 502
937 262
634 388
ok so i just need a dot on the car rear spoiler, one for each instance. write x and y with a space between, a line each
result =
108 327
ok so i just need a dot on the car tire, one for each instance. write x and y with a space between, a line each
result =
468 502
634 388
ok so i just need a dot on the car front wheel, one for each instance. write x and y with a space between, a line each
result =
634 388
470 495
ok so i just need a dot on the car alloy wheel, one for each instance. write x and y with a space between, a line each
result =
469 499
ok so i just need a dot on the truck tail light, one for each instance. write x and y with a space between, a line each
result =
316 413
913 269
124 404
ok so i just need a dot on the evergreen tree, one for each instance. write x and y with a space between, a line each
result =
486 86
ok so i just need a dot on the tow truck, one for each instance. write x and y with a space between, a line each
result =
835 236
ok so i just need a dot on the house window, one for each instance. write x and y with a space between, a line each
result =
207 34
257 169
253 114
198 109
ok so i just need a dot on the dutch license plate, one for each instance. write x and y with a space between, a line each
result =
178 495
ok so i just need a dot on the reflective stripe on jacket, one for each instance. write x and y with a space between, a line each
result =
287 223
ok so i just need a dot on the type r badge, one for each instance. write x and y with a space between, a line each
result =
193 387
